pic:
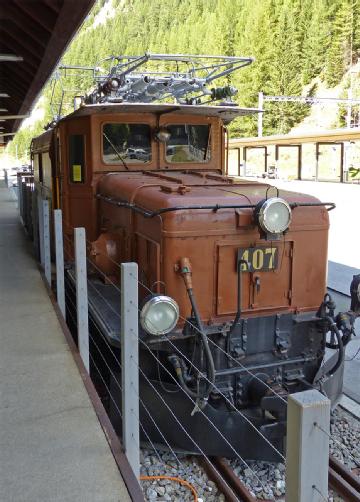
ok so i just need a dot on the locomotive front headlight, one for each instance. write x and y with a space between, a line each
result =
159 315
274 215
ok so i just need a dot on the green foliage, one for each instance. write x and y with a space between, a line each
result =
19 147
293 42
341 29
354 173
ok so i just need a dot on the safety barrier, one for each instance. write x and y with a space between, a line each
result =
308 420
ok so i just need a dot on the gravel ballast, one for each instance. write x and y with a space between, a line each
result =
265 480
167 490
344 445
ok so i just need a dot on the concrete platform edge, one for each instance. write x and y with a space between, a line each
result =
350 406
113 440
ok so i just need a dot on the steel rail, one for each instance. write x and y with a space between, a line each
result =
238 486
343 481
214 475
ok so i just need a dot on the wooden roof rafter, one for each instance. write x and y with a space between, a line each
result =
38 31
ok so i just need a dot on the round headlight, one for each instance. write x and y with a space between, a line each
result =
274 215
159 315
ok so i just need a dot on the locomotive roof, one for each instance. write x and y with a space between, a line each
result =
226 113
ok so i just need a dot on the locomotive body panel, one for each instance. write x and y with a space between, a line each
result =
211 240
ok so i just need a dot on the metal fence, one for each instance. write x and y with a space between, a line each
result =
308 419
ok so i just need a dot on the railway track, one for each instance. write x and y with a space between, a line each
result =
344 482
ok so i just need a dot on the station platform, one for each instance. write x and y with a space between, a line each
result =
52 445
339 279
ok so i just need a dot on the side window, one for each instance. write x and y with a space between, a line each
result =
77 158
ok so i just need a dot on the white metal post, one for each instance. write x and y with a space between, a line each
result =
130 359
82 296
41 230
46 240
260 114
59 255
307 448
20 202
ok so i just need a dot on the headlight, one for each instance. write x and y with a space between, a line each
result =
274 215
159 315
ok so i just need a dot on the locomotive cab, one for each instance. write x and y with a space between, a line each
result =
232 272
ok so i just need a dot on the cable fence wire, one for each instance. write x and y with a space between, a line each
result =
314 487
236 410
109 281
115 379
157 427
242 415
192 325
341 445
249 372
193 402
203 376
187 321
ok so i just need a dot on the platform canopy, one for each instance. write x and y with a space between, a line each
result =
33 37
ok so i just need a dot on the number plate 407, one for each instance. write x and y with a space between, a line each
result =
258 258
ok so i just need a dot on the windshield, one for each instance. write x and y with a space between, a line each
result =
188 143
126 144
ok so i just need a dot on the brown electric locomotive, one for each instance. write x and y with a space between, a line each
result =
232 272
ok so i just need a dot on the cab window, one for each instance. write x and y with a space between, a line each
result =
126 143
188 143
77 158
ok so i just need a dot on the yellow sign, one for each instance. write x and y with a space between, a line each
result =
76 173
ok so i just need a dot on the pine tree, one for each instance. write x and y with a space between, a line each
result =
338 54
293 41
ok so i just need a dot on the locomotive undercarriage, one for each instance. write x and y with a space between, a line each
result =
269 358
257 365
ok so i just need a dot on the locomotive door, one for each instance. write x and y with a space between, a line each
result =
265 285
77 193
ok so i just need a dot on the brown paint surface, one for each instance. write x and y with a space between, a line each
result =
209 239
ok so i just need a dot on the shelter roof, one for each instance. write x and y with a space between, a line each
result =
326 136
38 31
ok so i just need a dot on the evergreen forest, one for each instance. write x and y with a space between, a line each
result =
293 42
